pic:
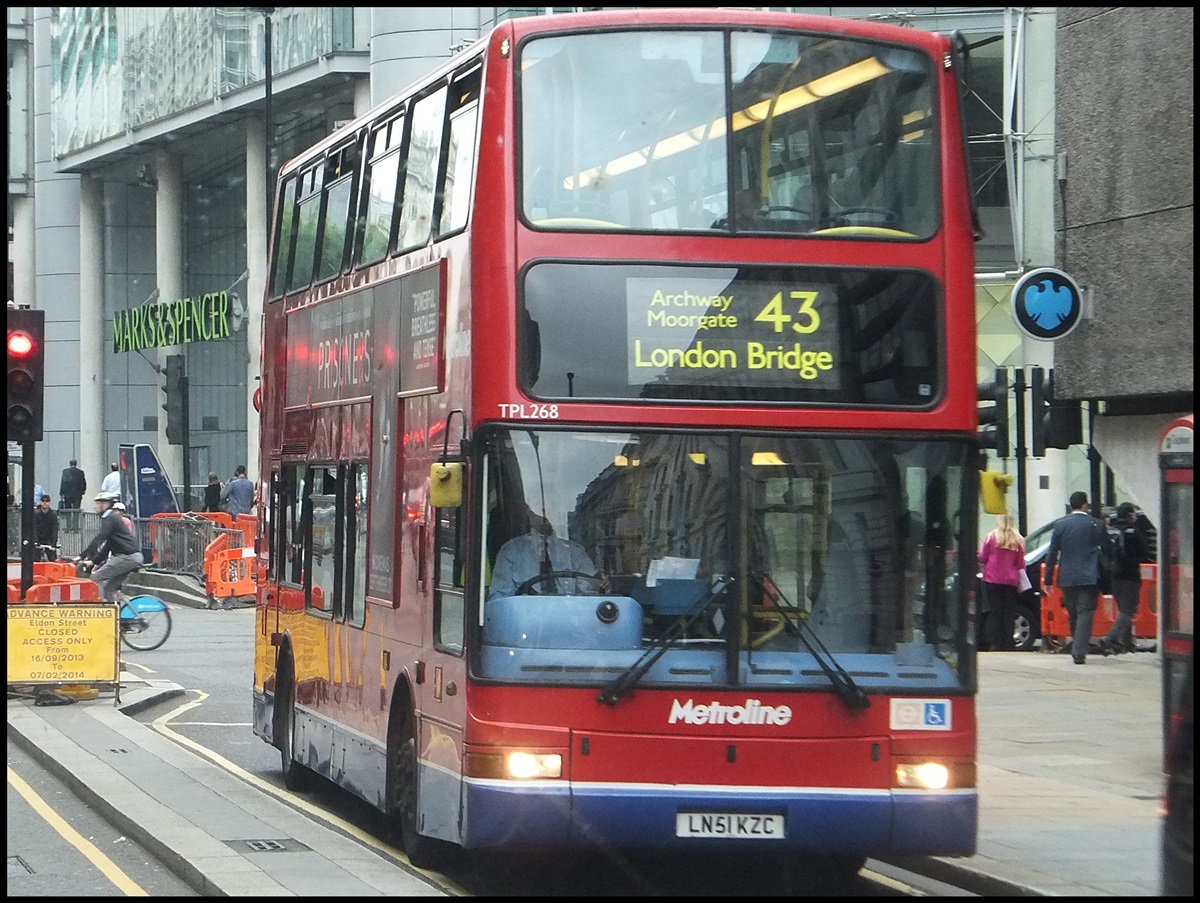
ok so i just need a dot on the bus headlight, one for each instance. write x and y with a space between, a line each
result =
923 775
512 764
524 765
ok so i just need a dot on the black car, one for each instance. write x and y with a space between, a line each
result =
1178 824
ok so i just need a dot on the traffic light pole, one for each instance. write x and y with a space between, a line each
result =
178 430
187 467
1019 392
27 506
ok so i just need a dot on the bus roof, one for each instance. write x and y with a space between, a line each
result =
520 28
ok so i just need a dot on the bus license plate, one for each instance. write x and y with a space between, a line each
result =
737 825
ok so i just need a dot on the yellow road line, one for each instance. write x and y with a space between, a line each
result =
892 883
162 726
107 867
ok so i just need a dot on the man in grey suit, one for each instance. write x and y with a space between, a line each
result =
1080 539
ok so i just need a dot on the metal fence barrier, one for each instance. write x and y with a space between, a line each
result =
172 544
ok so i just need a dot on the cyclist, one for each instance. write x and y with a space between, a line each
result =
115 545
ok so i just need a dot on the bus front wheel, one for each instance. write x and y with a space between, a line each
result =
295 775
404 797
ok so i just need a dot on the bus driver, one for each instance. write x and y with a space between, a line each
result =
540 551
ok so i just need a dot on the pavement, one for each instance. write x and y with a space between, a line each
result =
1069 774
1070 778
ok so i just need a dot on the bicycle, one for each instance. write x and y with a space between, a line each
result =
145 620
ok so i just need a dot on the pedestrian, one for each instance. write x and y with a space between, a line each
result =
1130 551
212 492
45 530
119 507
112 480
238 495
1003 560
1080 540
114 543
71 489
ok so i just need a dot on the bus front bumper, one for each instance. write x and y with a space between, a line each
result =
550 814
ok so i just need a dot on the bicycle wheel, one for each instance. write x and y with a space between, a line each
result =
147 629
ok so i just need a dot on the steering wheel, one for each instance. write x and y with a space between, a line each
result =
526 588
790 212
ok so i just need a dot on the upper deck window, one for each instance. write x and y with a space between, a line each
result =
383 169
631 131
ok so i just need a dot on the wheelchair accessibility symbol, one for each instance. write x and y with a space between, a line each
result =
920 714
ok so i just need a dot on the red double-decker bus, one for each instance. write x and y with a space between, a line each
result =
619 444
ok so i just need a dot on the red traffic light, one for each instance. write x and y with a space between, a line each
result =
20 344
26 374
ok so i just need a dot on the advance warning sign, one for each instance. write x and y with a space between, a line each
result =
62 643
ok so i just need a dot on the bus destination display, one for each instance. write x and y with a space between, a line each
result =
687 329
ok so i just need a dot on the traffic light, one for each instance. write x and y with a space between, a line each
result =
176 403
993 413
993 488
1053 424
26 374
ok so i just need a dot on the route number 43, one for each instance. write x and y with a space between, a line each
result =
806 320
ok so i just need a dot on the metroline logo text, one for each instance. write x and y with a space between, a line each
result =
751 712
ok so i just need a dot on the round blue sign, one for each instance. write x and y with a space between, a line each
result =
1047 304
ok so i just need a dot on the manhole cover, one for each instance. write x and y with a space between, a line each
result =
268 845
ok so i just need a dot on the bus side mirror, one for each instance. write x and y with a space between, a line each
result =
446 484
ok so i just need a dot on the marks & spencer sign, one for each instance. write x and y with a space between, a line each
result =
160 324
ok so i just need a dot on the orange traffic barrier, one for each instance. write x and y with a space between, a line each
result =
53 570
73 590
248 524
1056 622
219 543
14 592
228 563
229 573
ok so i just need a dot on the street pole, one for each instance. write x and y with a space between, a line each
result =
187 451
267 130
1019 391
266 12
28 548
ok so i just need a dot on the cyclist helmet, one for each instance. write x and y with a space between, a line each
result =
120 506
111 497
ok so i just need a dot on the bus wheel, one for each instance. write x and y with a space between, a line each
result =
403 797
295 775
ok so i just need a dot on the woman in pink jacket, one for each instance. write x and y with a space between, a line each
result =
1003 560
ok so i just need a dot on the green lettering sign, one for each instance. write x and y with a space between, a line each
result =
178 322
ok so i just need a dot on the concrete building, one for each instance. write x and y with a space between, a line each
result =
142 143
1124 228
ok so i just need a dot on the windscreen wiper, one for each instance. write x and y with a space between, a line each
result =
849 692
622 685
